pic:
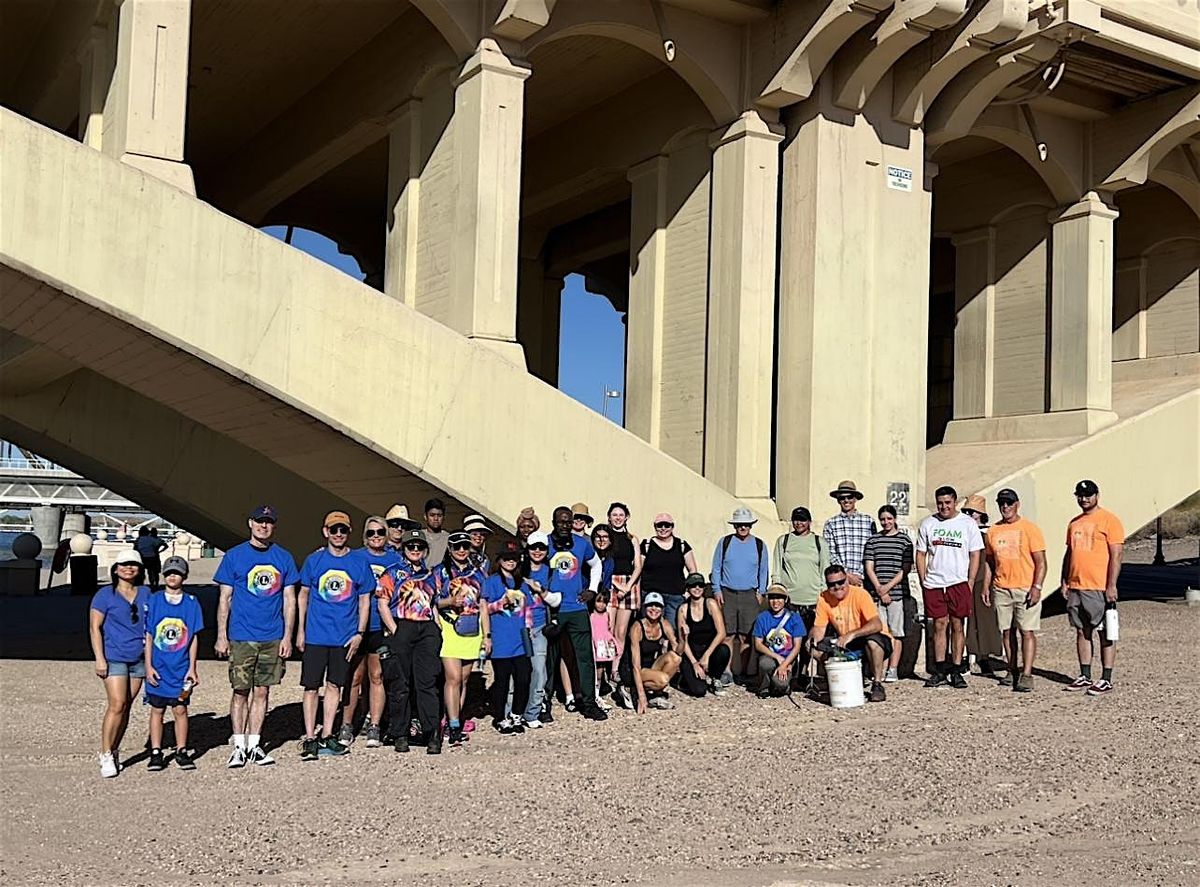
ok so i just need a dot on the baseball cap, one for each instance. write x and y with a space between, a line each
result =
509 548
663 517
337 517
264 513
538 538
127 556
801 513
652 599
1086 488
414 535
175 564
1007 495
694 580
458 537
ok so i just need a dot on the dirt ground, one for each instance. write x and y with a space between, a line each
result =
933 787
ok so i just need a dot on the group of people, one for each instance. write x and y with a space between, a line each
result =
582 613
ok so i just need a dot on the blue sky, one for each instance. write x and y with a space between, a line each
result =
591 341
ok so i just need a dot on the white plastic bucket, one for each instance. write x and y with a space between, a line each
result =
845 683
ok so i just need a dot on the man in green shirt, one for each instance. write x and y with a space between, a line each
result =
798 563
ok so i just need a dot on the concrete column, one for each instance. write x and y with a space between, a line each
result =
47 523
668 293
1081 309
741 308
146 105
974 328
854 304
75 522
405 160
96 70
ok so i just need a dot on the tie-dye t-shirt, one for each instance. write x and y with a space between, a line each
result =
537 611
171 628
334 586
779 633
509 614
410 591
469 581
566 569
258 577
378 563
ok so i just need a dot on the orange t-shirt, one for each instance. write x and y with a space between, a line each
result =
1010 550
1088 538
851 613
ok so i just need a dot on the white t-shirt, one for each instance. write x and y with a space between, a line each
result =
948 545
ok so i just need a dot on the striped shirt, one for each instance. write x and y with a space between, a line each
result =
846 535
890 555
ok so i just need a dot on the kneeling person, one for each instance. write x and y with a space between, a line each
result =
335 593
778 636
173 620
855 620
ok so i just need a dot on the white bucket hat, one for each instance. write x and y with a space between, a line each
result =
743 515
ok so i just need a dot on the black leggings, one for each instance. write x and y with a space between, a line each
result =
518 670
411 663
689 682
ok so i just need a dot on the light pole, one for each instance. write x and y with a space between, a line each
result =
609 394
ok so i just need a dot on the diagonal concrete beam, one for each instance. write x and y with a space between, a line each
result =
1127 146
521 19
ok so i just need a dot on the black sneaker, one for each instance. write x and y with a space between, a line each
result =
957 681
331 747
435 743
309 749
571 706
877 693
185 758
503 727
937 679
456 737
546 717
157 760
593 712
401 744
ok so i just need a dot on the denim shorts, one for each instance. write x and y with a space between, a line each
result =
135 669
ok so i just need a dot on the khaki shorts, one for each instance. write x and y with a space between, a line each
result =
1011 612
254 664
740 609
892 615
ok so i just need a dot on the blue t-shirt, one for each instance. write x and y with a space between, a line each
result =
742 566
124 636
779 633
171 628
509 615
378 563
334 585
258 578
566 572
537 609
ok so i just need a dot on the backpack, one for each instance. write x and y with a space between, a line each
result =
758 544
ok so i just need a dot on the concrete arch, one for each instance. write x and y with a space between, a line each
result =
455 21
684 137
1026 207
1054 173
1167 242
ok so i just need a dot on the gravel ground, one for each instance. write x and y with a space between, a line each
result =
932 787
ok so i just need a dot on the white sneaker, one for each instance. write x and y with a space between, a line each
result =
607 706
661 703
237 758
535 724
890 676
108 766
258 756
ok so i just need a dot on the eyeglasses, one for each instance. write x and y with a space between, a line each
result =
664 525
460 546
133 614
371 534
339 530
415 546
837 584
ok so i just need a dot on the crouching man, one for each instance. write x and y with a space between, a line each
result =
856 627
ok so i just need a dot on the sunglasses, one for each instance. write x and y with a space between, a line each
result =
663 525
133 614
538 547
395 523
510 558
741 526
460 546
845 498
415 546
338 530
371 534
1005 503
837 584
266 521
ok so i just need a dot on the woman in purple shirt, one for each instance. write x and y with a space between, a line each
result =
117 624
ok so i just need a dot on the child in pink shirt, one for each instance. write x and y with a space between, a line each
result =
604 646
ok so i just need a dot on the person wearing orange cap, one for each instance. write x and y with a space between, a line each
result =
983 629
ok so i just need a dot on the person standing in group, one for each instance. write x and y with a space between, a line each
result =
581 519
604 647
537 576
173 619
982 629
465 630
508 604
366 665
740 568
435 531
701 632
1016 555
888 559
478 532
150 547
1095 546
116 626
527 524
856 623
653 657
665 561
798 563
411 651
627 560
569 554
602 545
337 588
949 550
847 532
256 614
778 635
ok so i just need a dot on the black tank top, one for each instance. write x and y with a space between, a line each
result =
662 569
649 650
622 552
701 633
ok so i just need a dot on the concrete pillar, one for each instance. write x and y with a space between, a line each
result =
96 70
1081 310
47 523
668 292
974 328
75 522
146 104
741 308
854 303
539 310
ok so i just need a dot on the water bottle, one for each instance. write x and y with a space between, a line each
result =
482 657
186 692
1112 623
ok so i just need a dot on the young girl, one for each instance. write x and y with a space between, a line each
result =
465 629
604 647
173 619
508 604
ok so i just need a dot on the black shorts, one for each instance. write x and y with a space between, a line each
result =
860 644
372 641
323 664
163 702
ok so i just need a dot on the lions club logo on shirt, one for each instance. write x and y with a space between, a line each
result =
565 564
335 586
512 601
264 580
171 635
778 641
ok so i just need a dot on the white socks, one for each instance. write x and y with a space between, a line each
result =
252 740
239 741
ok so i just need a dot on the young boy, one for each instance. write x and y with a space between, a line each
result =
173 621
777 633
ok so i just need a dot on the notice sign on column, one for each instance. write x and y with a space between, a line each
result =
899 178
